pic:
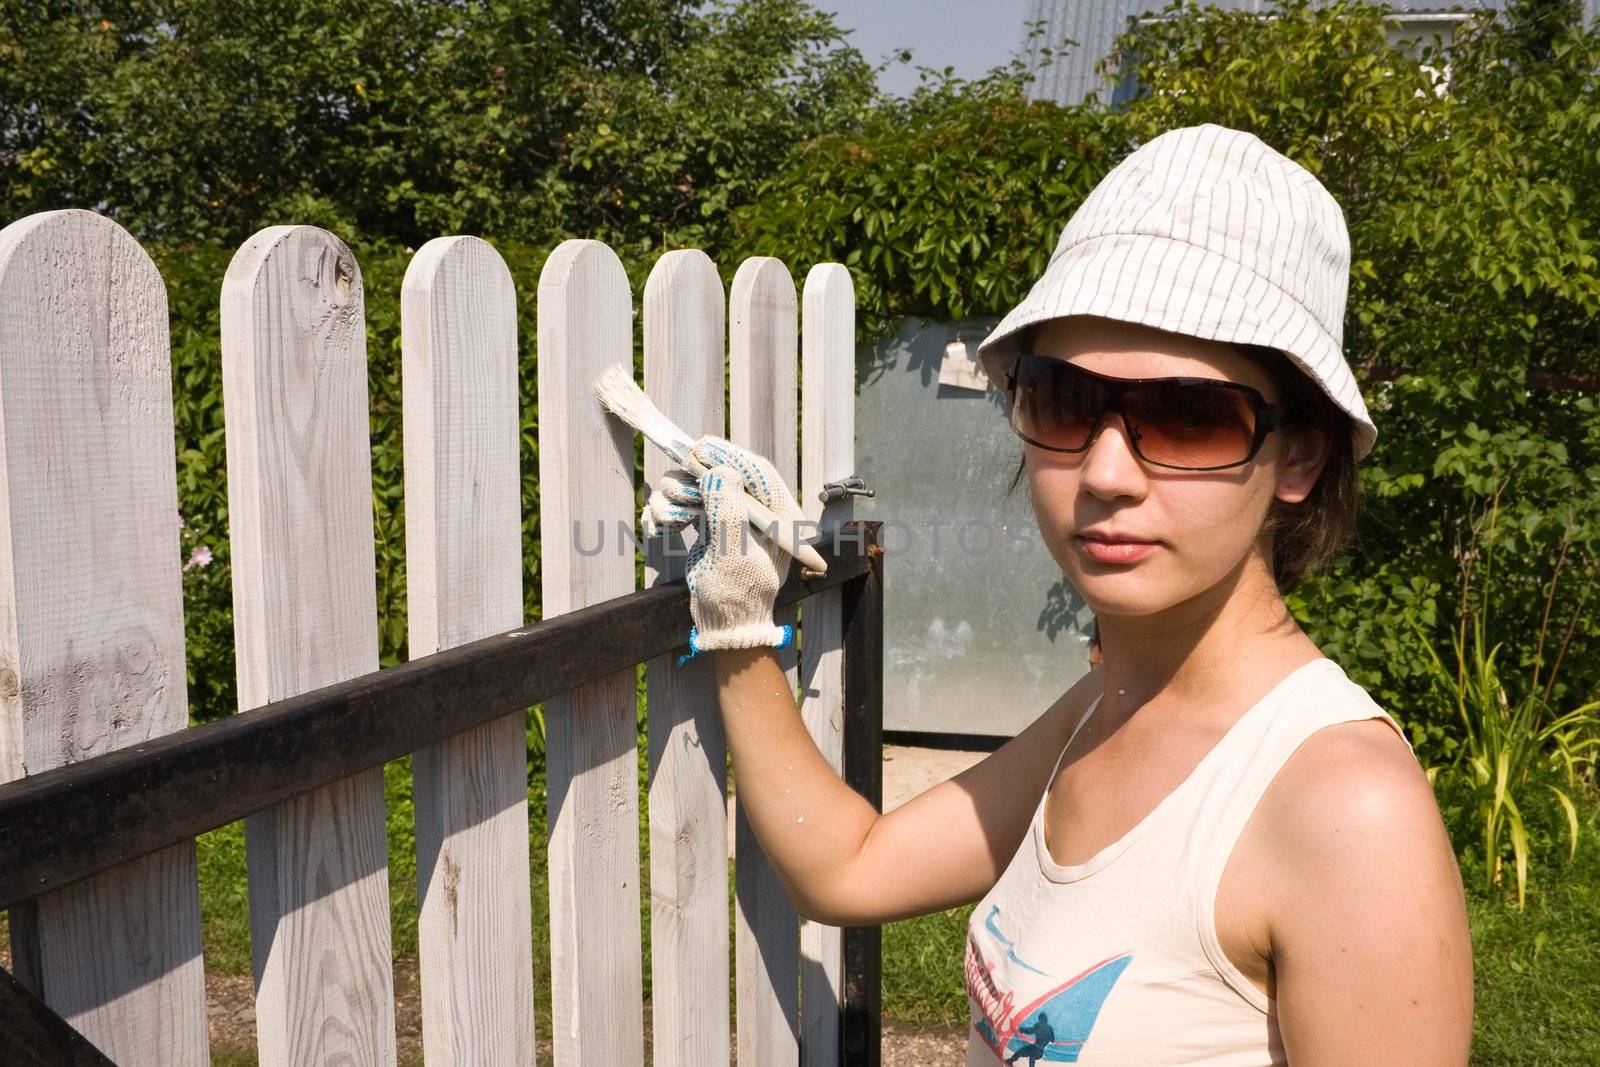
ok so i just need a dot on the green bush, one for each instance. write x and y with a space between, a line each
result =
1473 287
1511 736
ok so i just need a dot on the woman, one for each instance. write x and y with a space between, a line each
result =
1214 848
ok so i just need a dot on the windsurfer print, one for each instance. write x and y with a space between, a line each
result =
1053 1026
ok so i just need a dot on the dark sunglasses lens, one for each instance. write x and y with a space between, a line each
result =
1191 426
1055 406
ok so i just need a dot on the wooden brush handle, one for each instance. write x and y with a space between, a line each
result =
762 518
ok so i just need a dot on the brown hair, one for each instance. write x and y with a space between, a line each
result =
1307 536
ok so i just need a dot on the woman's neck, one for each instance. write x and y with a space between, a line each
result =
1203 647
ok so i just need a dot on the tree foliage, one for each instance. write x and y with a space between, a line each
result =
528 121
944 204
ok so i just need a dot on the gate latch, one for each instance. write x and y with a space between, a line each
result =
851 486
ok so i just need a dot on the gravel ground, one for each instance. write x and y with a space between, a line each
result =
231 1007
923 1048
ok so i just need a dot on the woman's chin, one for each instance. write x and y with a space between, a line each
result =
1128 592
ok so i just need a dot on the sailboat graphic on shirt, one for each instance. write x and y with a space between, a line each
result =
1055 1025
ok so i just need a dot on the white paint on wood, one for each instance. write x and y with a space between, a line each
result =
684 314
587 540
763 388
91 613
827 436
458 311
294 376
828 376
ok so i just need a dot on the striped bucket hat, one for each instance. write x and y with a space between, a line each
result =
1205 231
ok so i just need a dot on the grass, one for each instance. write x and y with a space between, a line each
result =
922 977
228 1057
1538 973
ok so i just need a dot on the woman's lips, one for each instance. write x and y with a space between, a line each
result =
1114 551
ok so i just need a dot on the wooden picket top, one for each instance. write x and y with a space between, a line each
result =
97 859
305 614
91 601
684 318
827 435
462 434
763 401
586 490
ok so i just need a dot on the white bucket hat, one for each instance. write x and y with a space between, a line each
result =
1205 231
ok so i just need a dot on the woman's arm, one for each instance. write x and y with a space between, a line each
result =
1371 952
840 861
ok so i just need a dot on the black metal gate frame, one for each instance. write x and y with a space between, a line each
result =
65 824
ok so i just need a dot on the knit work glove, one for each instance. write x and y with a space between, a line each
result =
733 572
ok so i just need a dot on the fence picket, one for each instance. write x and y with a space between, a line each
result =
586 498
91 613
294 377
684 328
763 338
463 583
827 435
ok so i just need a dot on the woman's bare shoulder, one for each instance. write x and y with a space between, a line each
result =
1358 776
1058 721
1351 819
1360 766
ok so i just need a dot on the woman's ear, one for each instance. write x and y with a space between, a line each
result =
1305 451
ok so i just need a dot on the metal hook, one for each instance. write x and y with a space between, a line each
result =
851 486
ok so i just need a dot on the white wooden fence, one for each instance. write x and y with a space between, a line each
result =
92 645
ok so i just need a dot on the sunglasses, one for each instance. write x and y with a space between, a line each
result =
1187 424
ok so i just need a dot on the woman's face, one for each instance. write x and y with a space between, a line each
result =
1201 528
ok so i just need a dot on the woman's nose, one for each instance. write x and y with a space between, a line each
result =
1110 467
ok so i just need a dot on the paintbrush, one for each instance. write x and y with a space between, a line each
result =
619 394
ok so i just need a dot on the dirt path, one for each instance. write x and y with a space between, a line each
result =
231 1007
231 1020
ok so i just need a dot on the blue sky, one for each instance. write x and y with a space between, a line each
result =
970 35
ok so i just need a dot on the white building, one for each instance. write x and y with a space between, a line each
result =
1068 76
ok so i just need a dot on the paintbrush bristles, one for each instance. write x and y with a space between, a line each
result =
621 395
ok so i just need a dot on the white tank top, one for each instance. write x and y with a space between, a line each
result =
1116 960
